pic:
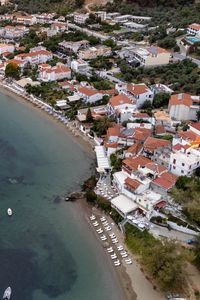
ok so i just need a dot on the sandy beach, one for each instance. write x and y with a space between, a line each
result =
132 280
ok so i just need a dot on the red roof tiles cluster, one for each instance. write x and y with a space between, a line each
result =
151 144
166 180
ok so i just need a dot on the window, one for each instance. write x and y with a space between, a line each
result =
183 164
190 167
174 167
174 161
182 171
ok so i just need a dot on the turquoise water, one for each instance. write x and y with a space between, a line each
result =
193 39
47 249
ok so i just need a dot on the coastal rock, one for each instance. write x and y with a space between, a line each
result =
74 196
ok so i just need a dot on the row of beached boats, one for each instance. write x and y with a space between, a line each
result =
104 237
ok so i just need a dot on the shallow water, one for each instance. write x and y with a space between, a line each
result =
47 250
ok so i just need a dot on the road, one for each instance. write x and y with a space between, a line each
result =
102 37
178 56
171 234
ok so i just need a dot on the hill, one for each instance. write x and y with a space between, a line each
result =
60 6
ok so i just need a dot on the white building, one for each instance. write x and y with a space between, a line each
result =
122 107
140 92
94 52
185 161
6 48
150 57
193 29
35 57
90 95
26 20
58 72
183 107
80 66
80 18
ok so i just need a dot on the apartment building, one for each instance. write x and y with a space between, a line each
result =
26 20
58 72
94 52
36 57
80 18
6 48
183 107
193 29
80 66
13 32
184 161
140 92
151 56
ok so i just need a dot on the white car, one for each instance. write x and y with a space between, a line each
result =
110 250
115 241
108 228
96 224
120 247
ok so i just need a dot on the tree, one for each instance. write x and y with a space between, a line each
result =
165 265
89 117
12 70
197 251
161 100
147 104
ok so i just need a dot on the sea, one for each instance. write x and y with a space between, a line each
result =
47 248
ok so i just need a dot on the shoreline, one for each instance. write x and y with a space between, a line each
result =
132 281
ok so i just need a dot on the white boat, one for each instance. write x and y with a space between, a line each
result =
7 293
9 212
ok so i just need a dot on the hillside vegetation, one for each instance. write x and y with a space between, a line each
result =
59 6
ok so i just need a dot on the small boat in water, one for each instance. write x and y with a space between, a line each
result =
7 293
9 212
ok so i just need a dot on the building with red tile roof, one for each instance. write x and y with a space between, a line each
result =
90 95
152 144
48 73
164 182
195 127
140 92
134 150
183 107
193 29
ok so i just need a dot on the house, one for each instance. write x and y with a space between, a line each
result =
80 66
68 46
160 130
13 32
151 56
195 127
158 150
184 161
35 57
26 20
123 205
160 88
80 18
121 106
97 113
58 72
45 18
90 95
193 29
164 182
140 92
141 116
101 14
183 107
6 48
94 52
134 150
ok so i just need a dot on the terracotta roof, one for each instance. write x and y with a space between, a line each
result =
141 115
24 17
160 129
134 163
153 166
114 131
141 134
196 125
157 50
35 53
15 61
134 149
88 92
178 147
119 100
166 180
137 89
132 183
180 99
188 135
194 26
151 144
